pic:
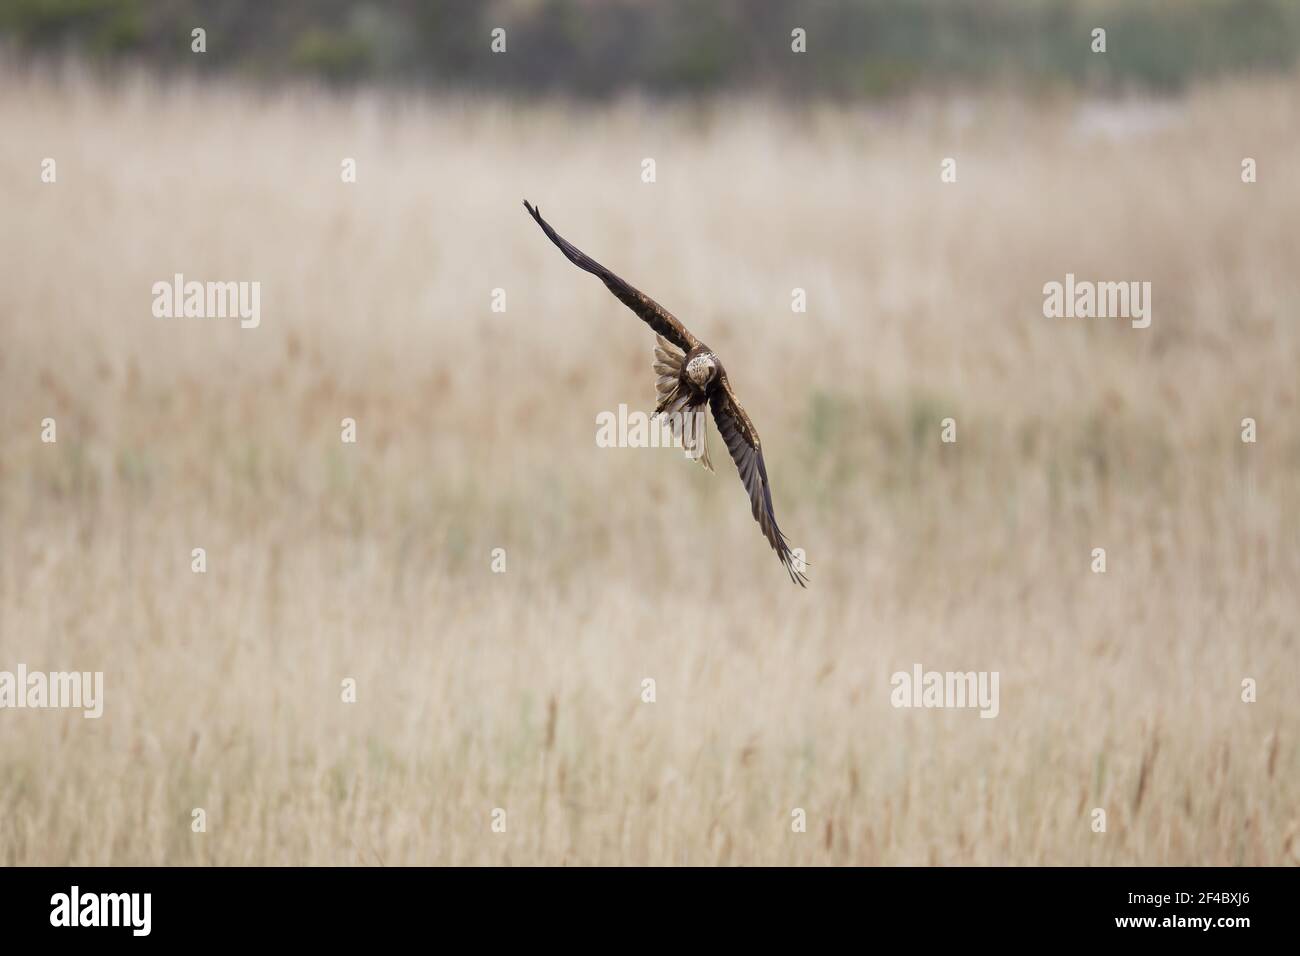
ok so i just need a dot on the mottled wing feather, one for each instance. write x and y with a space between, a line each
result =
667 367
650 311
746 451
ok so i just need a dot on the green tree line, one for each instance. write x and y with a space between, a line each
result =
599 48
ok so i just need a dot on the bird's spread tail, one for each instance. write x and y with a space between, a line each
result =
689 423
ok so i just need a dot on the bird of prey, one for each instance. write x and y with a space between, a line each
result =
689 377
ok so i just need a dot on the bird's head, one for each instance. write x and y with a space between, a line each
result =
701 370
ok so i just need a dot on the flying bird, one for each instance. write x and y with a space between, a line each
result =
691 376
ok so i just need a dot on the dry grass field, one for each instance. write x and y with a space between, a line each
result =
522 690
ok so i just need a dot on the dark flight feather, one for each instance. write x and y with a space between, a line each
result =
747 452
650 311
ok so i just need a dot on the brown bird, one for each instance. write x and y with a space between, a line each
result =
691 376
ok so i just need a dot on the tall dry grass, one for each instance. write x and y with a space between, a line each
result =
476 431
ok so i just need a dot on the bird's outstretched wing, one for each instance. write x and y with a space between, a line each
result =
651 312
746 451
